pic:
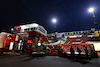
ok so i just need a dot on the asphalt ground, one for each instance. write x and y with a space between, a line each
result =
26 60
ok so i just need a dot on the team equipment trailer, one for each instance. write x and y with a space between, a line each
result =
29 38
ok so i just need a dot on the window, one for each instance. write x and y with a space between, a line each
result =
79 32
32 29
41 30
73 32
76 32
25 30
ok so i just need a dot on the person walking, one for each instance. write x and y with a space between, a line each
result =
86 52
24 44
72 52
79 51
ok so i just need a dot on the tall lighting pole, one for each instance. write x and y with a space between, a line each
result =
95 22
54 21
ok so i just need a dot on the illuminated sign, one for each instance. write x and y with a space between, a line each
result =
28 26
97 46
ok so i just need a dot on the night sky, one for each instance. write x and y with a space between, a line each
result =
71 15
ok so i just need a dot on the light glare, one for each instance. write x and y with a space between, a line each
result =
91 10
54 20
12 29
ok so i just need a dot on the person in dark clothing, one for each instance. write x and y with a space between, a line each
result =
79 51
86 52
24 44
72 52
